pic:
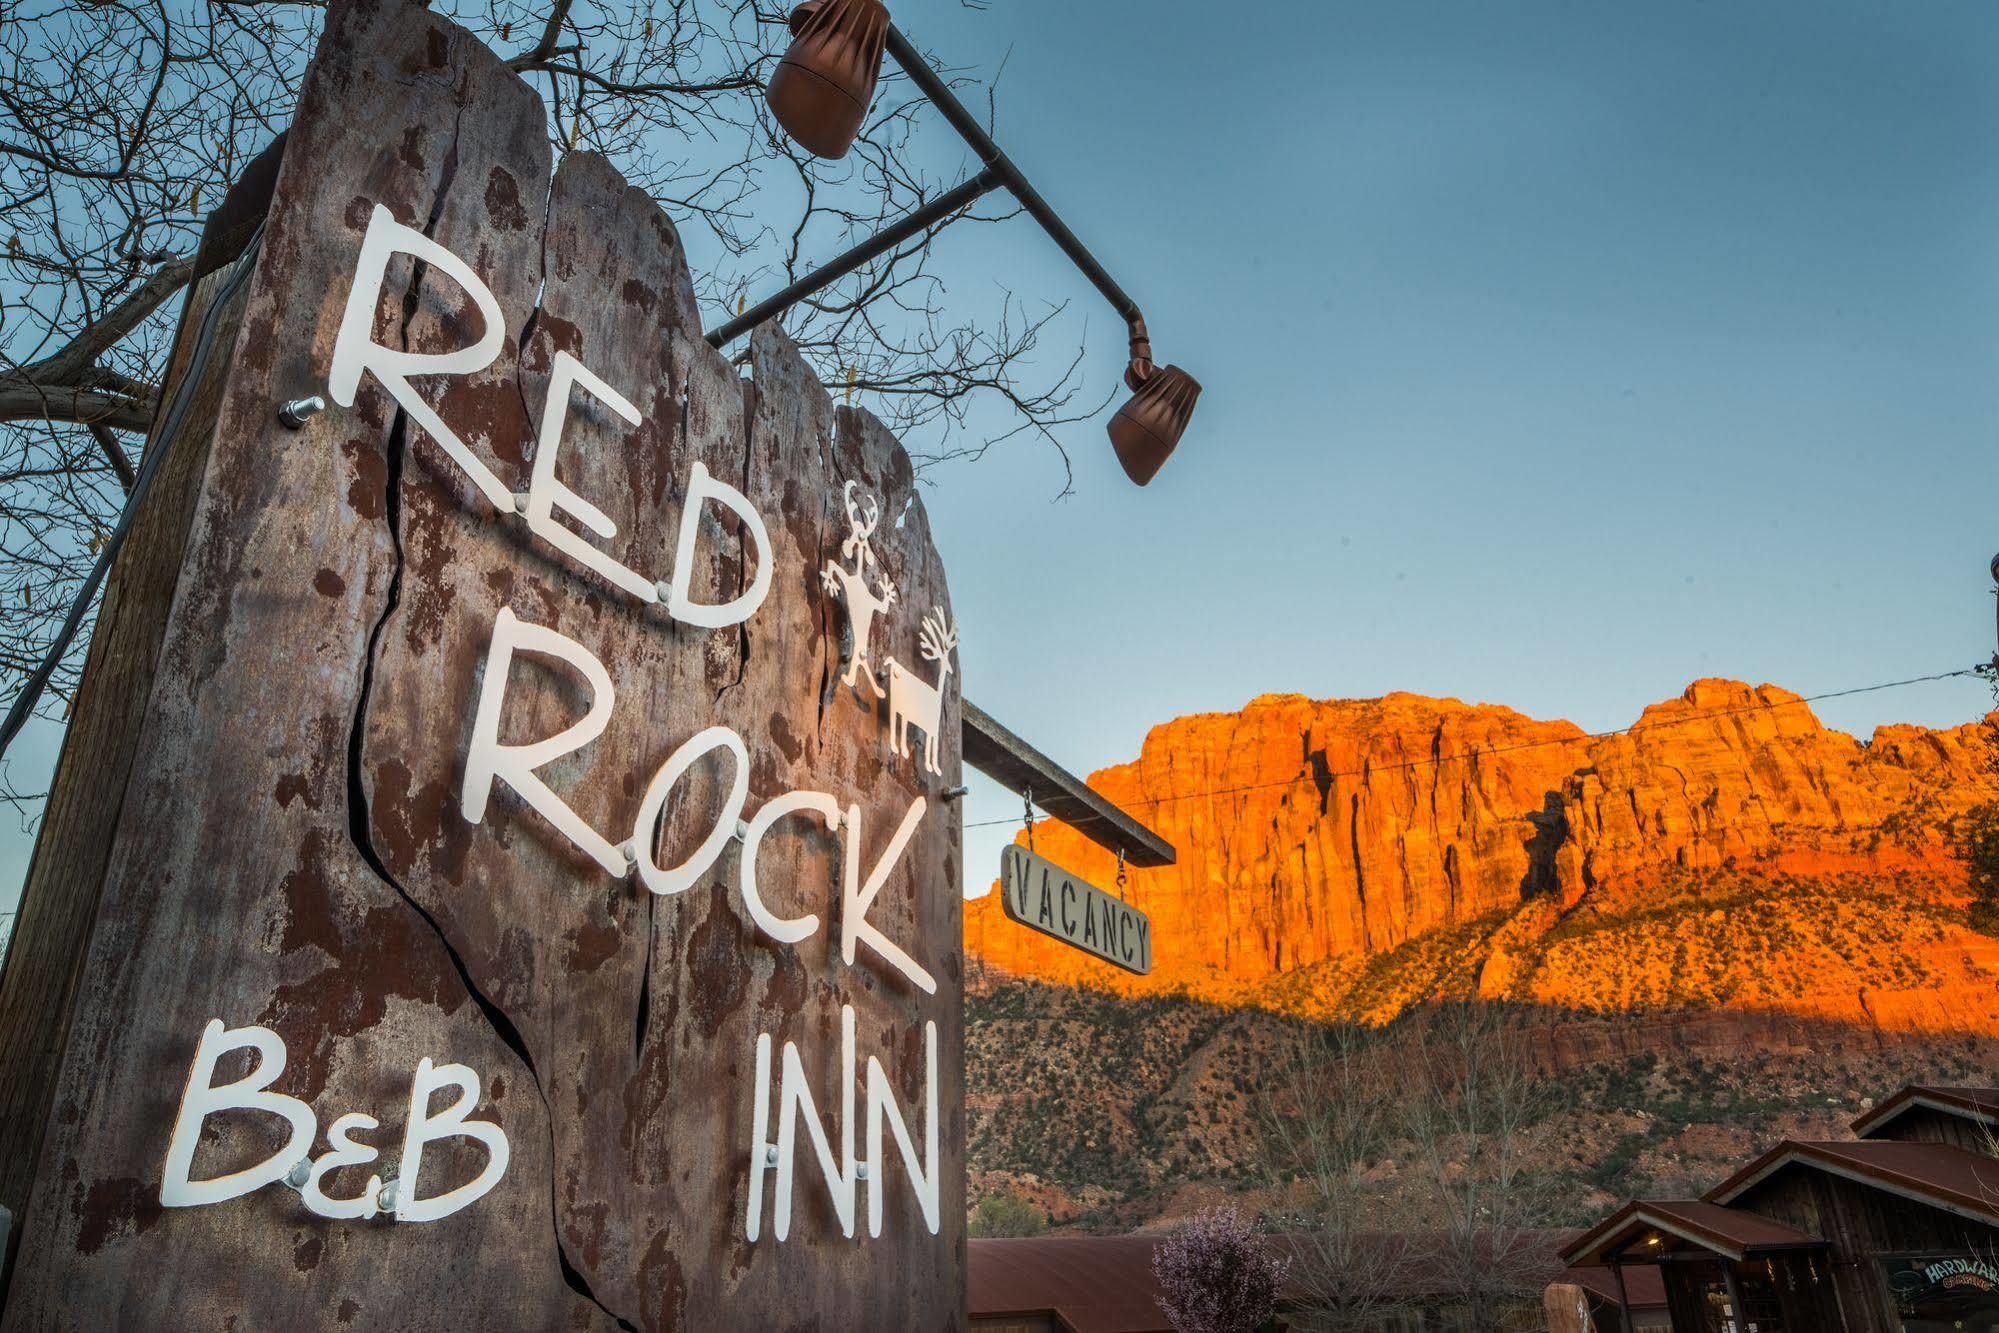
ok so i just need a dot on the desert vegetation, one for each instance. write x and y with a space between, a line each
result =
1115 1114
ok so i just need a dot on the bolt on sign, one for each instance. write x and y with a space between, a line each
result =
518 915
1041 895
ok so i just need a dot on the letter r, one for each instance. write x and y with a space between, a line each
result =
355 349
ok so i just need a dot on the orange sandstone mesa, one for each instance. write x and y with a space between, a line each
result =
1366 854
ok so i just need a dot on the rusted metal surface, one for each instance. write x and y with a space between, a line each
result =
292 852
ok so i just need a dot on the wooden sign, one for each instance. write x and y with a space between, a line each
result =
1043 896
511 920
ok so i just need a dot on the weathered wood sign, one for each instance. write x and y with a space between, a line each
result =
512 920
1042 896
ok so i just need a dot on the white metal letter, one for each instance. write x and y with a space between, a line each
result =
761 1148
881 1098
783 930
201 1100
546 492
487 759
702 488
427 1128
346 1152
684 875
859 897
355 349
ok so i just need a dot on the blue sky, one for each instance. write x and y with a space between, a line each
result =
1554 355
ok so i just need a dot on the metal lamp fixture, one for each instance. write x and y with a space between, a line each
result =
1146 429
821 89
820 94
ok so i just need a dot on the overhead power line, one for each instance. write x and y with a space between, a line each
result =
1368 769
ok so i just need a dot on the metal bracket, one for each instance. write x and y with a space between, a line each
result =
1004 757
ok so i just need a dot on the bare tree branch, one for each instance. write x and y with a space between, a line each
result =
99 336
24 400
122 122
114 454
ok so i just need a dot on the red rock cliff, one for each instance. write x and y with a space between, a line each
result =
1318 835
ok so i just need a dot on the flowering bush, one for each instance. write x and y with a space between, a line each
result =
1215 1275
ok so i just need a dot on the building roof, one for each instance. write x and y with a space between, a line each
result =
1644 1283
1942 1176
1976 1104
1710 1226
1091 1284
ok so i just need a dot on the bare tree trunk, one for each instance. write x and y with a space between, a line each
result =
1325 1117
1471 1091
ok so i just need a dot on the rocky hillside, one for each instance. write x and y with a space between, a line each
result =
1114 1113
1347 857
1729 925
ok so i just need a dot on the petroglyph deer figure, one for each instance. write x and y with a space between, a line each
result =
864 602
914 701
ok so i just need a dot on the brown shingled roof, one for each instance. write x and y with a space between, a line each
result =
1966 1183
1091 1284
1725 1231
1980 1104
1644 1283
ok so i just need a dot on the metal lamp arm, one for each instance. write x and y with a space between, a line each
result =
996 161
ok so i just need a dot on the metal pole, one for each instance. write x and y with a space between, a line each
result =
926 80
998 171
1995 594
951 201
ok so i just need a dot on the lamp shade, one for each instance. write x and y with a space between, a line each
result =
821 90
1146 429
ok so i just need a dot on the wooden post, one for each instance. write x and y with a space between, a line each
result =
59 897
297 848
1737 1323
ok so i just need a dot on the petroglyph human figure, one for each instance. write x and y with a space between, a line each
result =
864 602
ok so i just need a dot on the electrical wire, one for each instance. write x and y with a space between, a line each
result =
24 703
1475 754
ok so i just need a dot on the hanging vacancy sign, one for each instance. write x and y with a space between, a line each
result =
1043 896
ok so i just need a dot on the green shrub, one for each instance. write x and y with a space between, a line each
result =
1007 1215
1975 840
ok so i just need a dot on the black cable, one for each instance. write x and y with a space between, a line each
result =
1440 760
24 703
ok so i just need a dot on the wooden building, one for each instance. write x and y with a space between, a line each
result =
1063 1284
1584 1300
1896 1231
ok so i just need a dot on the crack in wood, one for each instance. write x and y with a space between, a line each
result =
359 816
